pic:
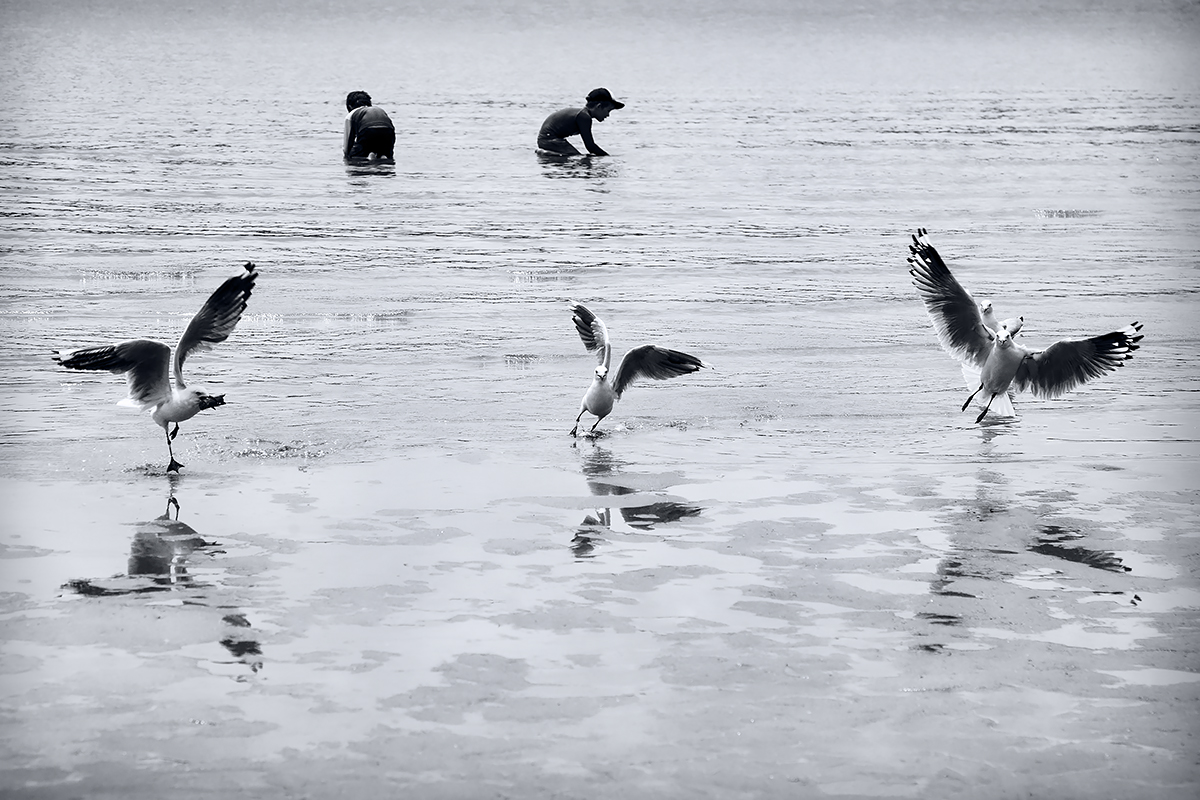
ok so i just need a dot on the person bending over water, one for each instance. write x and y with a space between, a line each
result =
577 122
368 129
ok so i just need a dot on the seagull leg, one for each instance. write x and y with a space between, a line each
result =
174 433
983 413
575 430
598 419
174 465
972 397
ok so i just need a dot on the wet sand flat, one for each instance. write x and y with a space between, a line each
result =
900 630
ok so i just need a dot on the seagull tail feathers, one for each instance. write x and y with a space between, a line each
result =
1002 406
129 402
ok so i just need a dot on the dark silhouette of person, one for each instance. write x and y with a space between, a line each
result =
567 122
369 129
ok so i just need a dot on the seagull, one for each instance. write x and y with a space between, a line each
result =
647 361
1012 324
147 363
1004 365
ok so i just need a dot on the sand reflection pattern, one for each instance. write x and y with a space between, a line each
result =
164 556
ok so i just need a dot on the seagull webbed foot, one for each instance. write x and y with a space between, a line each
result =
174 465
174 433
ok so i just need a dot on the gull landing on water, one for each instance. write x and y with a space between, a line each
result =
147 364
1013 324
647 361
1004 366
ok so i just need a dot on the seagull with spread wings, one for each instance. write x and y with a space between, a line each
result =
968 335
147 364
647 361
1013 324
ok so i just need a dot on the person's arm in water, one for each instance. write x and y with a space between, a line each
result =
348 137
584 120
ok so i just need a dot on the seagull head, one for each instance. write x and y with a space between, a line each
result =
989 317
1003 338
210 400
601 372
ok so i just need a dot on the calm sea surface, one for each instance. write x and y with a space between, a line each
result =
801 573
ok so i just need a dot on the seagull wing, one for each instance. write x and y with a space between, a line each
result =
956 317
651 361
1066 364
1013 325
593 332
216 319
144 362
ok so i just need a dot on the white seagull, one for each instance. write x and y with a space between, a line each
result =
147 364
647 361
1012 324
987 347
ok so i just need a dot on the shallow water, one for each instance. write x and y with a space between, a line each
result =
800 573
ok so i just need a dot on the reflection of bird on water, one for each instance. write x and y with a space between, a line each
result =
966 334
158 558
1052 541
598 462
147 364
647 361
642 518
588 533
158 562
603 479
651 514
161 547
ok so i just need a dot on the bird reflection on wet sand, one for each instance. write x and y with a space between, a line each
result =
592 530
998 538
1052 542
159 558
589 533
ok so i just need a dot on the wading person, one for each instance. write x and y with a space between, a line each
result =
568 122
369 130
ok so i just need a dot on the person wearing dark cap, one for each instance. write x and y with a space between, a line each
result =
368 129
567 122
